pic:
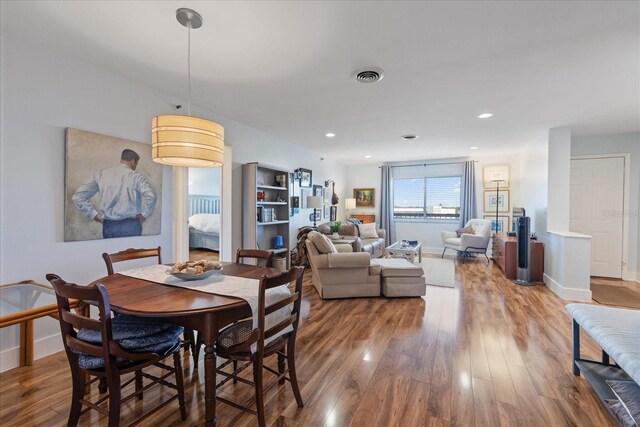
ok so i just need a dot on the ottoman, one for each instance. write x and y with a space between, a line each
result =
400 278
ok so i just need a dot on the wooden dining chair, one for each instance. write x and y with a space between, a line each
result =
257 254
130 254
111 347
240 342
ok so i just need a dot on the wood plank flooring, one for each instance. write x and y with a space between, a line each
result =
487 353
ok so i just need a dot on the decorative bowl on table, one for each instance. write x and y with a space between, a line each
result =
195 270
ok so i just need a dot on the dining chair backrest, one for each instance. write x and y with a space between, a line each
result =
97 295
267 256
128 255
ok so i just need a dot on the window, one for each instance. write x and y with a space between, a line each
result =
427 198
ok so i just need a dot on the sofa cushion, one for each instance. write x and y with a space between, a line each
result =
322 243
368 231
397 267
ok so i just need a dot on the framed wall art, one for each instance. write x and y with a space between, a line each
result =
365 197
496 172
317 190
493 199
326 211
333 213
112 188
502 226
305 178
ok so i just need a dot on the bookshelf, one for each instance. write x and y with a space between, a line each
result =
265 208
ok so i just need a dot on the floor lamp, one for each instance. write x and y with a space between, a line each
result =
497 182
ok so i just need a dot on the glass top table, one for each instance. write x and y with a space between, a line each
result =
21 303
406 251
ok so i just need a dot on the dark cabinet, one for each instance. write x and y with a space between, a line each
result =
505 256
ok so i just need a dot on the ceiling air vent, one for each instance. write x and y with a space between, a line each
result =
369 75
410 137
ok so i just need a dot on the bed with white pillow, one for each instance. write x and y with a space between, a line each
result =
204 222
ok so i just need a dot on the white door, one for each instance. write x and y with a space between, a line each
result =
597 207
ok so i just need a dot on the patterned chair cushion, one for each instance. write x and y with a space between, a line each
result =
134 334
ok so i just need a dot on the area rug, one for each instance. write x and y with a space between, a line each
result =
439 272
620 296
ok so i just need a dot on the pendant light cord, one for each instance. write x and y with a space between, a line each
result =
189 68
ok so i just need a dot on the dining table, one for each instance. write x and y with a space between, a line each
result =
204 312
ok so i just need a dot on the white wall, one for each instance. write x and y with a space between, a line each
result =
620 144
43 92
205 181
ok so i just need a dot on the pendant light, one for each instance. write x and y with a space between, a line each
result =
184 140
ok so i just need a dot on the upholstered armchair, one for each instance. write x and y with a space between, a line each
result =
467 243
343 274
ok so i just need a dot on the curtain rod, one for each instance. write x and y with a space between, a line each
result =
430 164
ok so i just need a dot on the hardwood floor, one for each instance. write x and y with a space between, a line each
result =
200 254
487 353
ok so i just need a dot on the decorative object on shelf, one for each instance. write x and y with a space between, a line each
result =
292 183
305 177
496 173
317 190
496 198
280 199
184 140
314 202
365 197
335 228
280 181
334 197
278 241
334 213
349 204
260 196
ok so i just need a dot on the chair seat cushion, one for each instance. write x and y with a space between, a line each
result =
396 267
456 241
135 335
239 332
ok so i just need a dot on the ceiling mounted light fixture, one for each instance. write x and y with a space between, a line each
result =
410 137
329 134
485 115
184 140
473 148
368 156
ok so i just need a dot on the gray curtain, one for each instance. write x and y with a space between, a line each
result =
468 207
386 205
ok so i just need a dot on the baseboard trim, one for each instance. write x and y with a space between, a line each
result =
632 276
572 294
10 358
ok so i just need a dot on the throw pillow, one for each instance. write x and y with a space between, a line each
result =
368 231
322 243
628 393
466 230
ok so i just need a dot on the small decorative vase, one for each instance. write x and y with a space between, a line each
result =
335 236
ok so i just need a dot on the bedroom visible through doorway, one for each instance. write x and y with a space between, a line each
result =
205 206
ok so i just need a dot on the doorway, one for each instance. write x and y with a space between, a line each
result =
205 208
597 209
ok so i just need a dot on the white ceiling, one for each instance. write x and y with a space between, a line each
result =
285 67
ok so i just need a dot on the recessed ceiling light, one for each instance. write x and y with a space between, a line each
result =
473 148
329 134
410 137
485 115
368 156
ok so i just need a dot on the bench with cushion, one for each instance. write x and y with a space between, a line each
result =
617 332
400 278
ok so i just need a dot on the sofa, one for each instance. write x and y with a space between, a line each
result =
343 274
375 247
338 272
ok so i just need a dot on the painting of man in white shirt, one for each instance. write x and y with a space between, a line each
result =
113 188
126 198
